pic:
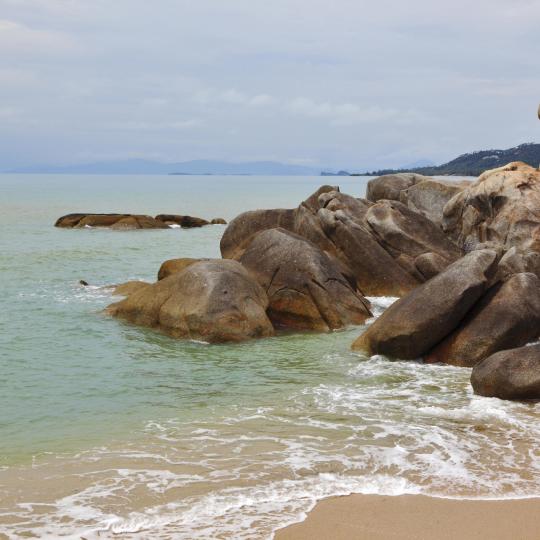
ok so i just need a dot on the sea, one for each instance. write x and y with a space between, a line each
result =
108 430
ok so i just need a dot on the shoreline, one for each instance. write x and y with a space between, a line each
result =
416 517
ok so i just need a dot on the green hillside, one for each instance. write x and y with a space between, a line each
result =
476 163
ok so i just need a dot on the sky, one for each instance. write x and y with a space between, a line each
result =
341 84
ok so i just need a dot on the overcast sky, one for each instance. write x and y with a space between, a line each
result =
339 83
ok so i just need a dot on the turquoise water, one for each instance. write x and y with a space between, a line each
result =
110 429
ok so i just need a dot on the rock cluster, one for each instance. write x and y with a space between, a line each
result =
131 221
385 247
483 310
463 258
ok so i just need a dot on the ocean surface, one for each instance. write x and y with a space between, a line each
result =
112 431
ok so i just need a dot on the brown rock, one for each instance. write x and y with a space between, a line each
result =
173 266
305 287
507 316
186 222
218 221
417 322
240 230
430 264
402 231
430 196
125 289
215 301
510 374
99 220
390 186
502 206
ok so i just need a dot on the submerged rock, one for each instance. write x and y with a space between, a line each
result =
215 301
305 286
113 221
507 316
510 374
417 322
186 222
218 221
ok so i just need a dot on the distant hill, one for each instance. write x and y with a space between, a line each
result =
141 166
476 163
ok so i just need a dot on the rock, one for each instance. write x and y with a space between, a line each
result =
517 260
240 230
430 264
113 221
125 289
215 301
339 228
502 206
173 266
430 196
99 220
138 222
510 374
83 283
186 222
218 221
507 316
390 186
375 270
414 324
69 220
305 287
402 231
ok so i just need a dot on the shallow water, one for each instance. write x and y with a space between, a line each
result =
112 430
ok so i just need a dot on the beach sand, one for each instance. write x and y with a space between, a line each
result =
415 517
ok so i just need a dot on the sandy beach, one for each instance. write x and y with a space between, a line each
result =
416 517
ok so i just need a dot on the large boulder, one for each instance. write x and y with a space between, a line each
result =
305 286
414 324
214 301
129 287
502 206
430 196
507 316
376 272
402 231
390 186
173 266
241 229
510 374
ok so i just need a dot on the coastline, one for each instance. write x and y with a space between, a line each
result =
416 517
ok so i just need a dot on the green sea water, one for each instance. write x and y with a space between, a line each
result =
109 429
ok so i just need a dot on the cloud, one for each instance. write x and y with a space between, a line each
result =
18 38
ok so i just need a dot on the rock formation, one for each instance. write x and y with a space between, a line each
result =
510 374
414 324
215 301
305 286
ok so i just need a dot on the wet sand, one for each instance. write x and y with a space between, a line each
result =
415 517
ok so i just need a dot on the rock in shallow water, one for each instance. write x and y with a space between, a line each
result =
305 286
510 374
508 315
417 322
214 301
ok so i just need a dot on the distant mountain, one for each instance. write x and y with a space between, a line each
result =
476 163
141 166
